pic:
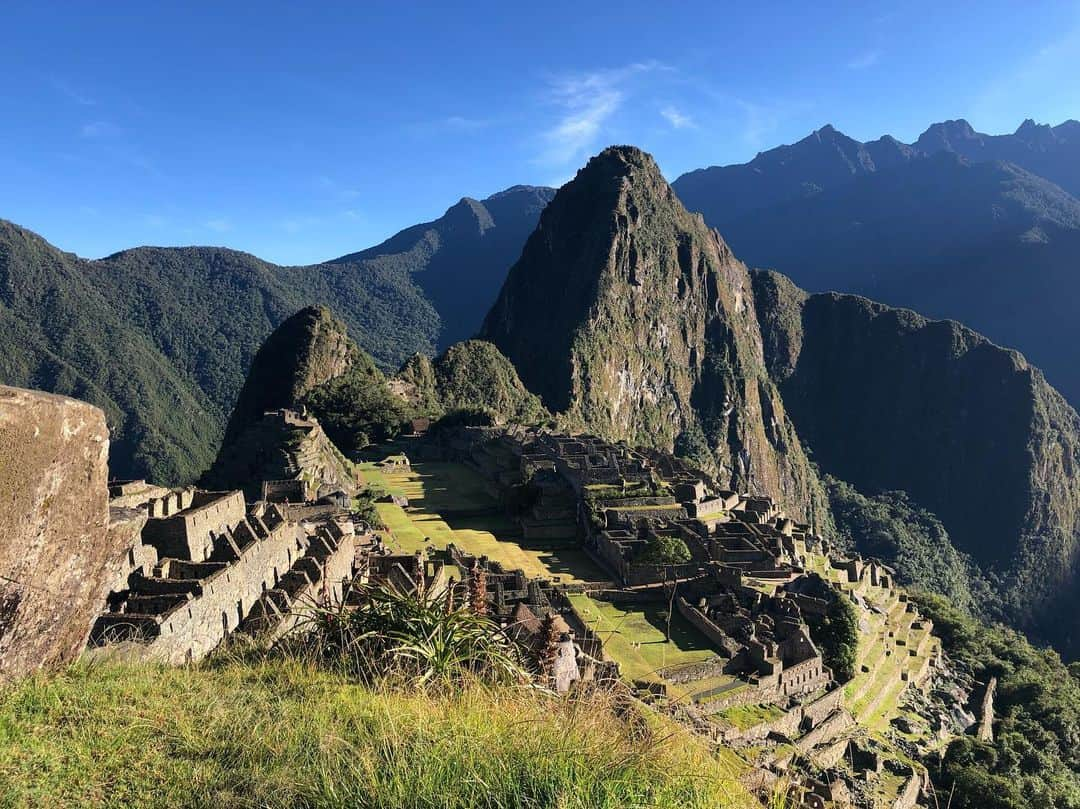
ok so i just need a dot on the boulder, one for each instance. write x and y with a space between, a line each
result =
57 556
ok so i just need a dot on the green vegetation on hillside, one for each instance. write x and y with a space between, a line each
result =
888 401
889 527
357 407
469 383
837 635
1034 759
475 374
161 338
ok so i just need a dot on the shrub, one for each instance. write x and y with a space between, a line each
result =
1034 759
664 551
837 635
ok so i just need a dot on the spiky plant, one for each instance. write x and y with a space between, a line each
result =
415 634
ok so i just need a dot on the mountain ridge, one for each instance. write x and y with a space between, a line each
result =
958 233
889 399
460 259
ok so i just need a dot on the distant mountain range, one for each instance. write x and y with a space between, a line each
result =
161 338
939 225
980 228
460 260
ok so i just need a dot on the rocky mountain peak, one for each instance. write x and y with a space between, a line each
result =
946 135
469 214
633 320
306 350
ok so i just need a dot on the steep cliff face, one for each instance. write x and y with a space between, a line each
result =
294 370
56 549
887 399
632 319
307 350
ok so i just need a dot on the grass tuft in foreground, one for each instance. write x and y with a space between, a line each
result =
283 733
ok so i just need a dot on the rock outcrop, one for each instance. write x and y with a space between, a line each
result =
633 320
270 437
307 350
470 375
56 550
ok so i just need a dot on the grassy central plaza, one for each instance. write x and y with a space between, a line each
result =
450 503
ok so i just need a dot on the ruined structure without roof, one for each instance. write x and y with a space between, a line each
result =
200 565
205 564
749 588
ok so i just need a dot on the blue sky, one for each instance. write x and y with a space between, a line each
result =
300 135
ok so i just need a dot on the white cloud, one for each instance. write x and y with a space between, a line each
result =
588 101
154 220
73 94
865 60
99 129
222 225
678 120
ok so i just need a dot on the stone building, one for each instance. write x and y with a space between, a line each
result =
206 564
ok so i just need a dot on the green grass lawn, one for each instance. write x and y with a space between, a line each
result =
747 716
634 636
439 491
285 735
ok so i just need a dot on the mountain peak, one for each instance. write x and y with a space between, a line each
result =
629 316
621 160
307 349
532 190
469 213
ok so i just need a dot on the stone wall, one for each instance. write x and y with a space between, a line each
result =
319 576
56 550
701 623
125 531
201 603
803 678
809 715
825 732
189 534
909 795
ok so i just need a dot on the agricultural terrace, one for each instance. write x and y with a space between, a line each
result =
893 652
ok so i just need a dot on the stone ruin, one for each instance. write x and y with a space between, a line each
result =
202 565
747 588
159 573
